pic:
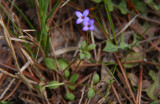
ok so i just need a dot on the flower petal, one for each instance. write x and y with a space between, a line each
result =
86 19
91 21
86 12
85 28
85 23
79 20
91 27
78 14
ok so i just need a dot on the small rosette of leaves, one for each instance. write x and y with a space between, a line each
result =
84 51
63 64
73 80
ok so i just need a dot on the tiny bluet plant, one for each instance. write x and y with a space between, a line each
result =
82 16
88 24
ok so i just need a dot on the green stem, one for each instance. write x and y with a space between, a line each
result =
110 19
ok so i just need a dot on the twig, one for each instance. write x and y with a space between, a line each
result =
93 41
115 92
7 73
125 77
147 19
12 91
7 88
140 85
83 89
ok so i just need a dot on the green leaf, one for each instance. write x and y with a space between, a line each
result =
54 84
153 91
90 47
123 45
155 102
123 7
69 96
6 102
83 45
82 56
50 63
87 55
110 47
132 57
91 93
97 1
71 87
73 78
95 78
152 3
111 5
66 73
63 64
140 6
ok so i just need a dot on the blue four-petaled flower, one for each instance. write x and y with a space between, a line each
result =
88 25
83 18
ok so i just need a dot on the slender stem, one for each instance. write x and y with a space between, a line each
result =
110 19
77 56
77 66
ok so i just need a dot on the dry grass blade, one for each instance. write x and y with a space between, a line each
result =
18 40
5 32
27 56
128 24
64 50
7 73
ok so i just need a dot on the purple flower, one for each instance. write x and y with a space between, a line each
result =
82 16
88 25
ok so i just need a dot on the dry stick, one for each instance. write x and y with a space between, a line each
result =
140 61
125 77
7 73
140 85
115 92
12 91
8 87
146 19
82 95
53 15
38 15
92 38
123 92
